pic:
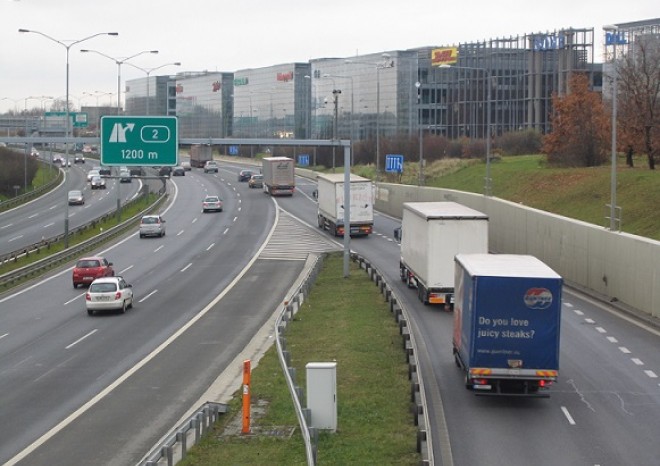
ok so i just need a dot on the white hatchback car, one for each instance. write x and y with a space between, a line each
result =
152 225
109 293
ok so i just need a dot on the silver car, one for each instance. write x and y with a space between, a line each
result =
152 225
109 293
76 197
97 183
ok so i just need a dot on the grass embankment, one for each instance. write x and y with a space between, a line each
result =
579 193
344 320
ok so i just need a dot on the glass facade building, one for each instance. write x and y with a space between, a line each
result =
467 90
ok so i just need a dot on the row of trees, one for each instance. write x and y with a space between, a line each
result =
581 120
15 169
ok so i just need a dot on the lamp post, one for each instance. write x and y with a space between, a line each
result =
149 71
118 62
386 64
487 73
613 38
352 108
420 179
67 45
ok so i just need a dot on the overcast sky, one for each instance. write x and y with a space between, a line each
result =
223 35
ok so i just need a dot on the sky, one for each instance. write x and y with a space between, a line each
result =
222 35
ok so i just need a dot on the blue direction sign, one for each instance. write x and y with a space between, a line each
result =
394 163
136 140
303 160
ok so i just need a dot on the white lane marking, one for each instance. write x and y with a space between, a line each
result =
601 330
235 218
121 272
73 299
210 246
637 361
82 338
568 304
49 225
159 248
239 209
33 215
6 226
612 340
15 238
590 321
194 219
578 312
571 421
624 350
54 207
225 232
148 296
180 233
186 267
649 373
2 336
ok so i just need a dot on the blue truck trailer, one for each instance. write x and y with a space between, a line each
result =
507 315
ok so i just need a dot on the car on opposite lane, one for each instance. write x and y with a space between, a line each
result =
75 197
97 183
92 173
178 171
256 181
79 158
211 203
152 225
125 176
109 293
88 269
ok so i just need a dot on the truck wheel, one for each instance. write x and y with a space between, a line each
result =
403 273
320 222
456 360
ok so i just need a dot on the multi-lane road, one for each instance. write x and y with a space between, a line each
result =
104 389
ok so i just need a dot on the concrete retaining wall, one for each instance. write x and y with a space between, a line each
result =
619 267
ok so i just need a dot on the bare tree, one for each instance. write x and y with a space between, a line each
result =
639 99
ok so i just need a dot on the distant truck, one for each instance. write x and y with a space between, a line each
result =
330 196
506 323
279 176
200 154
431 234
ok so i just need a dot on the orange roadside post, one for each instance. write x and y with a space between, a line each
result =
246 397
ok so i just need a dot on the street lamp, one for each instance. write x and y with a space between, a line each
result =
352 107
386 64
420 178
612 37
486 71
149 71
67 45
119 62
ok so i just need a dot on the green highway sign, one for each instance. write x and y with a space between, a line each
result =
138 140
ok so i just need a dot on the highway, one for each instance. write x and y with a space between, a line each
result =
43 217
105 389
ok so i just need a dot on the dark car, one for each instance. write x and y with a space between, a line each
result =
105 171
137 171
88 269
165 171
245 175
178 171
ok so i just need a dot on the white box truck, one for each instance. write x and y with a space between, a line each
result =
432 233
330 196
279 176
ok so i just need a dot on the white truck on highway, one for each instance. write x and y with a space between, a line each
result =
431 234
279 176
330 196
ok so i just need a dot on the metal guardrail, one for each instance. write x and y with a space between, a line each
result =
39 267
188 434
18 200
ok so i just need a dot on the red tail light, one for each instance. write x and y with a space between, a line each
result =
118 295
480 381
88 297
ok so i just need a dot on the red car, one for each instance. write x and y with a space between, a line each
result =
88 269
